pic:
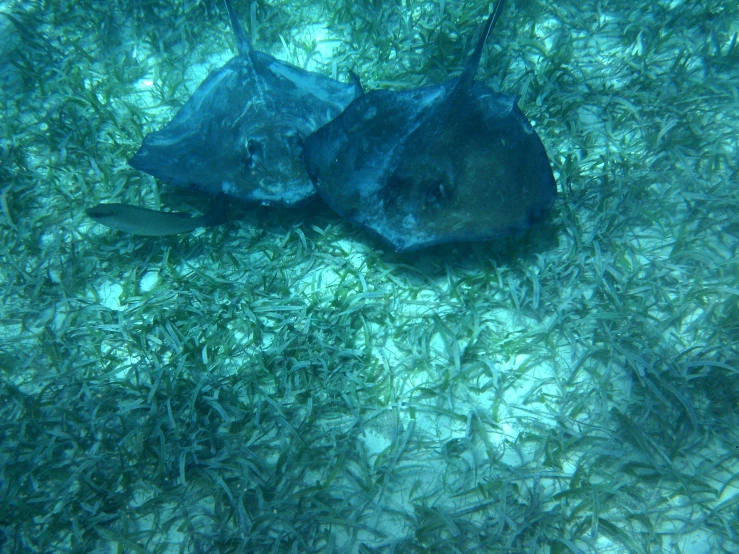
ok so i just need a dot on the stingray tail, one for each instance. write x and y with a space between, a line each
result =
243 44
470 70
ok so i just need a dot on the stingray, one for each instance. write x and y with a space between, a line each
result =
240 135
446 163
241 132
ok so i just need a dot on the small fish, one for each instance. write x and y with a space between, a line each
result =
153 223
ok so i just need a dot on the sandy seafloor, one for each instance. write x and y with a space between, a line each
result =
286 383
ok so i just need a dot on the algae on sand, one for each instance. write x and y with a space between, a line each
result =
283 383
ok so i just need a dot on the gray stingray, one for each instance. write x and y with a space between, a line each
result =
241 133
452 162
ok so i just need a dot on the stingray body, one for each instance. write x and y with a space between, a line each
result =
241 133
453 162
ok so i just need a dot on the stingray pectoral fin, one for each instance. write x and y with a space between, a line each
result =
153 223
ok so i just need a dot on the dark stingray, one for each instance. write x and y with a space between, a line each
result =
453 162
241 134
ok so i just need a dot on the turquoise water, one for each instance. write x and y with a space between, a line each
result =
286 383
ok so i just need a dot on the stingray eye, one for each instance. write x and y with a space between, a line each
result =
437 194
394 187
254 151
294 141
254 147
